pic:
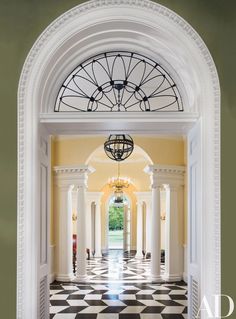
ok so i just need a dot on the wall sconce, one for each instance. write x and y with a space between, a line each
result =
74 217
163 217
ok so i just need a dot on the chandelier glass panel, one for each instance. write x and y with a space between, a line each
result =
119 82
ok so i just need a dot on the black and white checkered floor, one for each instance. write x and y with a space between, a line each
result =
117 266
118 299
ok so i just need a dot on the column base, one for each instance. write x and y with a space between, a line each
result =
65 277
139 256
185 277
172 277
156 278
80 278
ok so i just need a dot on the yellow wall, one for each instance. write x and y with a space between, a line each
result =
82 149
77 150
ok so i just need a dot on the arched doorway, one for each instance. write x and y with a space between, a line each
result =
119 223
69 40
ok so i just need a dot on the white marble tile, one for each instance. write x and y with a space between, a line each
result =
151 303
182 302
113 303
93 309
150 316
93 297
65 316
129 288
53 292
177 292
108 316
70 287
133 309
127 297
161 297
145 292
173 309
56 309
99 287
77 302
114 292
59 297
82 292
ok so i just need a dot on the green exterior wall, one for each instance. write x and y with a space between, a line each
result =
21 22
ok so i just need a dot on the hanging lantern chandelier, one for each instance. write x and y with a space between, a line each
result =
118 184
118 147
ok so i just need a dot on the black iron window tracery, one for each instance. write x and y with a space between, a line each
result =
119 81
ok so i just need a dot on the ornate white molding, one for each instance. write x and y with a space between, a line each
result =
26 112
143 196
165 174
82 169
165 169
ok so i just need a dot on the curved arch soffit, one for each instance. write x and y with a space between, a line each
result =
142 26
137 149
70 39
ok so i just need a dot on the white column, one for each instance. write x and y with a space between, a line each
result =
63 207
139 242
98 234
173 238
126 230
88 224
156 231
81 233
148 225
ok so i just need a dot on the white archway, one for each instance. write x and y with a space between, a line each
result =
83 31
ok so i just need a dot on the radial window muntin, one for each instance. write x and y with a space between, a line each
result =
119 81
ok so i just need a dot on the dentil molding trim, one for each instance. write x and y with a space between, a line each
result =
165 169
82 169
70 15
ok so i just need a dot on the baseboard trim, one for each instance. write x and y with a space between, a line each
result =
185 277
52 277
172 278
67 278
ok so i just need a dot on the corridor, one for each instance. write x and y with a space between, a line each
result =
118 287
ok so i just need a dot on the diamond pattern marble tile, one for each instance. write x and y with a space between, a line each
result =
118 288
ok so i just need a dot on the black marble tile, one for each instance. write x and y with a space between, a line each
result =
172 316
174 287
66 292
73 309
162 292
59 303
98 292
185 310
129 292
146 297
86 316
178 297
115 309
96 303
129 316
132 303
153 309
111 297
170 303
76 297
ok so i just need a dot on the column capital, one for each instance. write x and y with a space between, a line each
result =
75 175
94 197
165 174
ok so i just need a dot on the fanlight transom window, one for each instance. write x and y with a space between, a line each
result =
119 82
